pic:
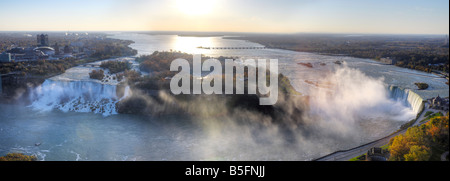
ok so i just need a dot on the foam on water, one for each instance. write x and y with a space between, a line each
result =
79 96
75 91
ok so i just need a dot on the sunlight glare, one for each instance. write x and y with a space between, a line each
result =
190 44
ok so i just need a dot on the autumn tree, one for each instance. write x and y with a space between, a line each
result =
399 147
418 153
18 157
438 130
416 143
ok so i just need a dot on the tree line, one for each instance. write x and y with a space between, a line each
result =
424 53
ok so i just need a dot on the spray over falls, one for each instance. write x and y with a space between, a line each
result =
353 91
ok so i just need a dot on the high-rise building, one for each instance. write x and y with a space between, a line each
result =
68 49
56 47
42 40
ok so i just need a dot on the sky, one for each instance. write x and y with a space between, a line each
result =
261 16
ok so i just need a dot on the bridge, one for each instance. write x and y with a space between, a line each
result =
229 48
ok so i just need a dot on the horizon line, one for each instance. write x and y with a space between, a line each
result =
231 32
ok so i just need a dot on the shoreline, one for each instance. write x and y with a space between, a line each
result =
267 45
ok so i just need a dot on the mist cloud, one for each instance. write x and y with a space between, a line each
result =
347 109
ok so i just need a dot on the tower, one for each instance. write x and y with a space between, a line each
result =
42 40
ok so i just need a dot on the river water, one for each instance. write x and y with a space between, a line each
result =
358 101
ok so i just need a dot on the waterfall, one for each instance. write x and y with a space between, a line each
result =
407 97
78 96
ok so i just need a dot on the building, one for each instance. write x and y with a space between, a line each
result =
5 57
440 103
77 44
29 54
68 50
56 47
42 40
375 154
16 50
388 61
45 49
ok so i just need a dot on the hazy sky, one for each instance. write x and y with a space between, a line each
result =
335 16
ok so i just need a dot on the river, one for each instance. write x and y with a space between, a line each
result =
368 101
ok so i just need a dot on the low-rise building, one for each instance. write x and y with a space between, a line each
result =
440 103
388 61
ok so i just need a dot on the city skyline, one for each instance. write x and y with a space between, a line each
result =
283 16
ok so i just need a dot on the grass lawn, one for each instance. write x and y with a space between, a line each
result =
429 116
359 158
385 147
428 113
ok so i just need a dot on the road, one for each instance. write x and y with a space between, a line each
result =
346 155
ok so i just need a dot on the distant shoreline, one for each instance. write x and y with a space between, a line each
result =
186 35
406 51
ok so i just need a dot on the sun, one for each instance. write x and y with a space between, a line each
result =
196 7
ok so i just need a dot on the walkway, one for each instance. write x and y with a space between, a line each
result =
345 155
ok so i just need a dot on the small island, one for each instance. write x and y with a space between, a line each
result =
97 74
309 65
421 85
115 66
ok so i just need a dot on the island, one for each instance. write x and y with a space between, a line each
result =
421 85
148 90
